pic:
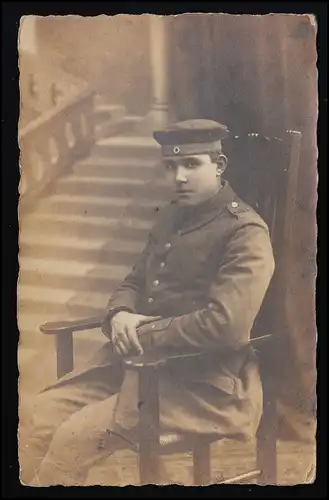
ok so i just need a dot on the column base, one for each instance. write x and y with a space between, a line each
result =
158 116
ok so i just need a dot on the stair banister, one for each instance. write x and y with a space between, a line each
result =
53 142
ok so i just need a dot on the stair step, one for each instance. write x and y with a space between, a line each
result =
118 162
37 370
34 244
71 274
82 243
86 226
44 301
113 111
133 146
100 99
99 186
87 179
136 141
26 355
29 324
131 168
64 302
32 339
123 125
35 374
104 107
95 206
44 294
90 302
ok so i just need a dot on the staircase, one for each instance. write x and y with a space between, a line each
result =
83 238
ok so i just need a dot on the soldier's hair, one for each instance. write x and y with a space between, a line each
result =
214 155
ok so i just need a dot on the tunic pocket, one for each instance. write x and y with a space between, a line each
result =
194 374
223 382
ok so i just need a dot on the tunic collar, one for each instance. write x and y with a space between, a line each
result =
189 218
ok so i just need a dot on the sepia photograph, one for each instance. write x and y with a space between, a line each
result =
167 249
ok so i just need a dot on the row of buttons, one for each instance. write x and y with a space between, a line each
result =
234 204
157 282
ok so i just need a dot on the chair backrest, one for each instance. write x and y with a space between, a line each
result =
263 172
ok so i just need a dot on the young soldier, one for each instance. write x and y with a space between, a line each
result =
197 287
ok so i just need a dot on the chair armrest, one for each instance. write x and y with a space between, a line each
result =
76 325
260 342
63 331
145 360
156 360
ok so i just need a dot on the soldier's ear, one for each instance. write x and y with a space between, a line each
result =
221 164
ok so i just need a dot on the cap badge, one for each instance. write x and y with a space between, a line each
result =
176 150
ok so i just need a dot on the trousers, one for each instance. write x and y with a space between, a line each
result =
84 418
71 429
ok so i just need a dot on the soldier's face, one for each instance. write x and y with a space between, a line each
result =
194 178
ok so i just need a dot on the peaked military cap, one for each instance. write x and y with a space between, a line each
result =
191 137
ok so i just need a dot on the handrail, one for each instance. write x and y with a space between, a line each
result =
88 90
53 142
42 83
60 108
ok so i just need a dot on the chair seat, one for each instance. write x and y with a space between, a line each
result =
182 443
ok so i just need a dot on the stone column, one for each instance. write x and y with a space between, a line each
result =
159 70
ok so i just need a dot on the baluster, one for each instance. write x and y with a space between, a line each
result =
76 129
69 134
83 124
53 150
56 94
53 142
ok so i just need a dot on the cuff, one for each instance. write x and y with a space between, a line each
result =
150 332
106 325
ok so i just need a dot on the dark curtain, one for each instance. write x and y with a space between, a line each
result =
258 74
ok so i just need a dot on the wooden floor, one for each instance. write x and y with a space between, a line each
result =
296 460
296 465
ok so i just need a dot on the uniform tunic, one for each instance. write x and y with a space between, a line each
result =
205 270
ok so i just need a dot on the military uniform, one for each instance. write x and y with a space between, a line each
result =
205 270
207 278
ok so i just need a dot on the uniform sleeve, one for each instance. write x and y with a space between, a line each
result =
233 299
126 295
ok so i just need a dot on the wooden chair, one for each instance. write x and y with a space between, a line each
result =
263 171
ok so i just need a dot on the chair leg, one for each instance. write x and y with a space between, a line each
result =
267 459
201 464
267 439
149 463
64 346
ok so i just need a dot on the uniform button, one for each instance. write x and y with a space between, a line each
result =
212 306
153 326
162 264
156 282
168 245
150 300
234 204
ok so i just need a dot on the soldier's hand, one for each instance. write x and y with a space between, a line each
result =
124 331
